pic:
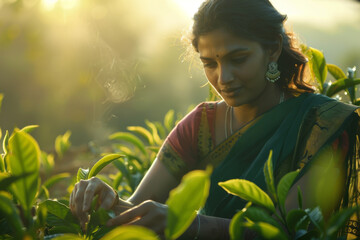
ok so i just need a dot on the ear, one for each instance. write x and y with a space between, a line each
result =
275 50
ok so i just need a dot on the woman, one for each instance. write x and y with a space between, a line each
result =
252 63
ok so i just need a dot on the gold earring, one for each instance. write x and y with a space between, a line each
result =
273 73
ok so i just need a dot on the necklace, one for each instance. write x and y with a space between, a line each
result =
230 111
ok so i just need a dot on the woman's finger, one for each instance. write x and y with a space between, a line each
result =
128 216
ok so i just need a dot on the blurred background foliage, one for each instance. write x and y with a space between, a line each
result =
97 66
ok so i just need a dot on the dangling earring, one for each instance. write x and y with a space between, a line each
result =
273 73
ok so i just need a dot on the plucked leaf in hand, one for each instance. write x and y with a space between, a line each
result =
103 162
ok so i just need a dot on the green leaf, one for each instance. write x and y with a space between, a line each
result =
269 177
300 202
236 230
117 180
10 212
5 143
293 217
23 158
316 217
256 214
154 131
97 219
53 180
82 174
185 200
1 99
143 132
62 143
7 179
267 231
68 237
47 161
284 186
2 163
338 220
99 165
130 233
29 129
248 191
169 120
303 223
130 138
161 130
341 84
335 71
318 66
59 215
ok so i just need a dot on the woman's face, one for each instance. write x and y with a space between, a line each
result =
234 66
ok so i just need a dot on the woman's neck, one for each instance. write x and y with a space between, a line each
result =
247 112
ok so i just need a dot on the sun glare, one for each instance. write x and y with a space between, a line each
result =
65 4
189 6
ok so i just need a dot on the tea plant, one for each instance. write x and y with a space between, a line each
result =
260 213
319 70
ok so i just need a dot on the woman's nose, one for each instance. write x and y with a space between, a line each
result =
225 75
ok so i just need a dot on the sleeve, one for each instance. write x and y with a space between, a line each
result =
179 150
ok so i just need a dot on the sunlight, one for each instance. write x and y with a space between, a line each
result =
65 4
189 6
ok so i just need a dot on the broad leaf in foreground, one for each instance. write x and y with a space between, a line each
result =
248 191
284 186
185 200
130 233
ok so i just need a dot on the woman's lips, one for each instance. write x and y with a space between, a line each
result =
229 92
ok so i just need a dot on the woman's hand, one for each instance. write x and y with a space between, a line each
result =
149 214
86 190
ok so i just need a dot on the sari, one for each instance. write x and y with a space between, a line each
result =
296 130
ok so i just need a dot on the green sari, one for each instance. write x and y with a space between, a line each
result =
296 130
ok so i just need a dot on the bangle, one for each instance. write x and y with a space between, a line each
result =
198 228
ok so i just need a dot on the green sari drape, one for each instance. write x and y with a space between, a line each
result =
296 131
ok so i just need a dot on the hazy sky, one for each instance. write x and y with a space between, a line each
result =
324 13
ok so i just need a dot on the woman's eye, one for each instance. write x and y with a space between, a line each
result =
210 65
239 60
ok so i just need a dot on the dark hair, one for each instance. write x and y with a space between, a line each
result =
259 21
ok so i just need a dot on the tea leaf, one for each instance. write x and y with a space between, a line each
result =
169 120
59 215
269 177
2 163
130 233
1 99
103 162
335 71
248 191
316 217
62 143
185 200
130 138
29 129
5 143
300 198
341 84
293 217
10 212
82 174
6 180
236 229
284 187
318 66
154 131
267 231
143 132
256 214
23 158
